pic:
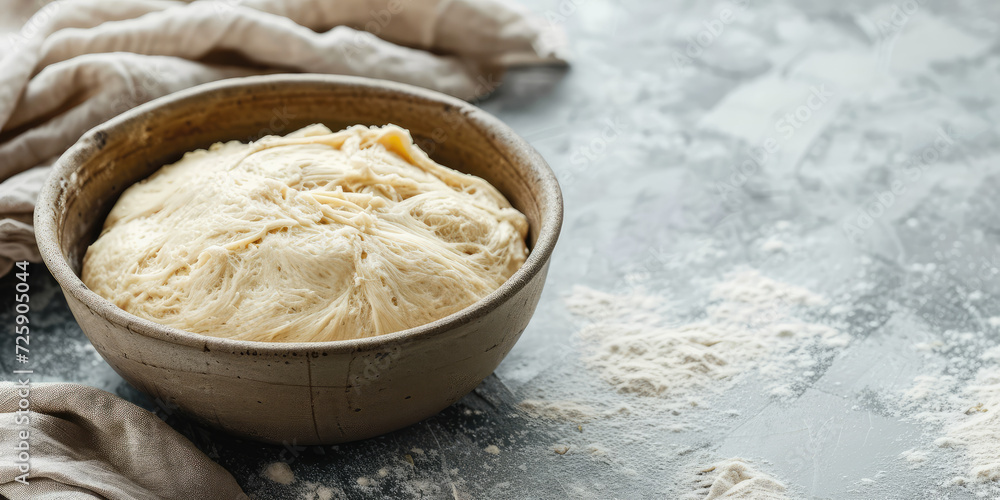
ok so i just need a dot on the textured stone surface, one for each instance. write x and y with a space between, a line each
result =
645 137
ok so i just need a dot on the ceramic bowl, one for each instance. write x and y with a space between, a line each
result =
306 393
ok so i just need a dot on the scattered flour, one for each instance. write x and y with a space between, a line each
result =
564 410
316 491
914 457
735 478
559 410
968 414
870 482
929 390
597 450
279 472
773 244
976 429
406 481
749 324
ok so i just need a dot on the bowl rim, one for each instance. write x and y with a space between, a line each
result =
550 203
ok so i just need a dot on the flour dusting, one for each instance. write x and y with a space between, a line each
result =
317 491
560 410
968 415
279 472
735 479
975 428
914 457
750 322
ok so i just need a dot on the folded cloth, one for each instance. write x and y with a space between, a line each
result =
17 201
76 63
86 443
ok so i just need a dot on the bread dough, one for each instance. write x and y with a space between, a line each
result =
314 236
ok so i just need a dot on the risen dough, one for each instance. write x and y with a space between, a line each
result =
310 237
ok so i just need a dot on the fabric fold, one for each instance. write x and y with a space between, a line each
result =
87 443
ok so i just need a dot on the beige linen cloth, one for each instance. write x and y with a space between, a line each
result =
87 444
76 63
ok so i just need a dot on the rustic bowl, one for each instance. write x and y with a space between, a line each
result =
304 393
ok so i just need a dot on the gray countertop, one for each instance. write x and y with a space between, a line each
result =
664 103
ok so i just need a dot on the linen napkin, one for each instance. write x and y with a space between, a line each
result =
85 443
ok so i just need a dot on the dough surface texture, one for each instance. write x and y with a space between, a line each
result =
314 236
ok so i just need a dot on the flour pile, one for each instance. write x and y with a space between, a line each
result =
279 472
315 236
969 416
749 324
735 479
